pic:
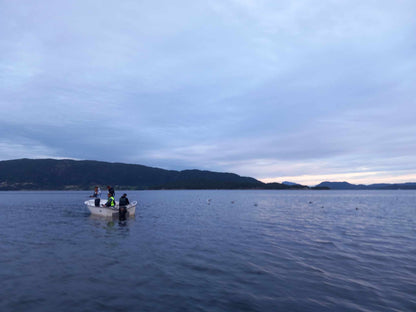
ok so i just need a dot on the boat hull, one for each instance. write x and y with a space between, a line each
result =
108 211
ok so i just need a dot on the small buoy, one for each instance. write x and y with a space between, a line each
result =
310 202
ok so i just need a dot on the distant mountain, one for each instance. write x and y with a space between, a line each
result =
67 174
340 186
382 186
289 183
279 186
52 174
293 185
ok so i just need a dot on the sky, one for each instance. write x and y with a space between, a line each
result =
303 91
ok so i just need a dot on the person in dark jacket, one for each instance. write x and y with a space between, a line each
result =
110 190
124 201
122 210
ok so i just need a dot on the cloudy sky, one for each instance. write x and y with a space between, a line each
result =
304 91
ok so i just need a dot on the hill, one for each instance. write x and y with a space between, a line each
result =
52 174
380 186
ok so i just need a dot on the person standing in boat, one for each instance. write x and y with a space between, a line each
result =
110 202
110 190
97 196
122 209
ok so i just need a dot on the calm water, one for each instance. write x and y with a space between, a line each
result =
211 251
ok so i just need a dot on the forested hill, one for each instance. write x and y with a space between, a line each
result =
52 174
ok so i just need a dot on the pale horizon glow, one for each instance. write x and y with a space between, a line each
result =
353 178
279 91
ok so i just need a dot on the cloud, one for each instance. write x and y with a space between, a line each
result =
25 149
261 88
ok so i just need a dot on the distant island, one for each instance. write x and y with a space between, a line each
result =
68 174
378 186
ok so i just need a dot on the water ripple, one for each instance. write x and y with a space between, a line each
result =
211 251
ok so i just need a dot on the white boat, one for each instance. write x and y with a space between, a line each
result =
108 211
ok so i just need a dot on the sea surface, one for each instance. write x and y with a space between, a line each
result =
210 251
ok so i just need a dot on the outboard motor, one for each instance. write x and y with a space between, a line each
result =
97 202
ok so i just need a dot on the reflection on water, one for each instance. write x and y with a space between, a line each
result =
211 251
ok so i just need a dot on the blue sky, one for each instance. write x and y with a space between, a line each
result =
304 91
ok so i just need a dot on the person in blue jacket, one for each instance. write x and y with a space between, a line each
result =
96 195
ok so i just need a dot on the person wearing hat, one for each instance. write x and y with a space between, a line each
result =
122 210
